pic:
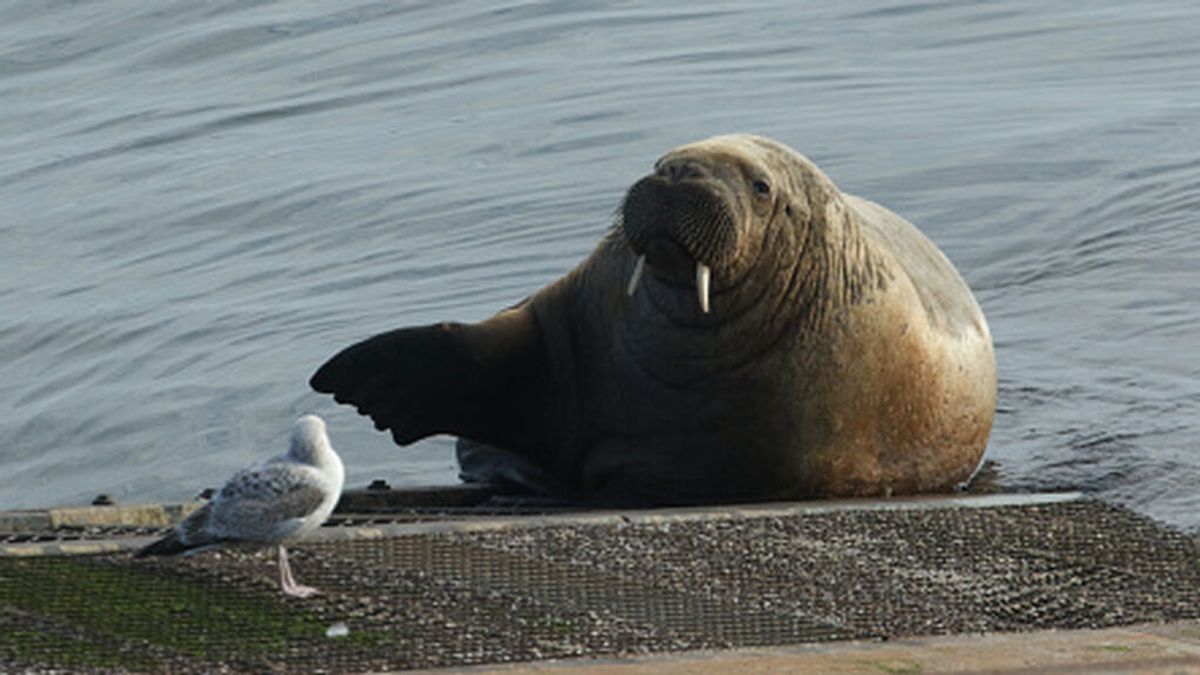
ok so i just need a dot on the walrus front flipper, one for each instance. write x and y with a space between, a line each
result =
400 379
479 381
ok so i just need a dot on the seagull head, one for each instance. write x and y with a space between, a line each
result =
309 440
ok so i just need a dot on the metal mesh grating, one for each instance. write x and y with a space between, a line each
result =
573 589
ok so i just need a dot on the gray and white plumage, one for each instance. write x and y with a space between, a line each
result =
269 504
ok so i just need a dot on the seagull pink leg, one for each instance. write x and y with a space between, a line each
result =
288 583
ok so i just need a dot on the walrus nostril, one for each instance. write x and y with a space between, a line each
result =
681 169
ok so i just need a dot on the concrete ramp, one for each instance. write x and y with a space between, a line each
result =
411 585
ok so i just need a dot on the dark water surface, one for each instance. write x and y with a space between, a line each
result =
201 201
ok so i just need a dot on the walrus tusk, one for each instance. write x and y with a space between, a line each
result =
637 275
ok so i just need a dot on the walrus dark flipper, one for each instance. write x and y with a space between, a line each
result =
479 381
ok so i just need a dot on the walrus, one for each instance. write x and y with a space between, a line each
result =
744 332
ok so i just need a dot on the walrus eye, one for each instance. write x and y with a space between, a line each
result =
762 187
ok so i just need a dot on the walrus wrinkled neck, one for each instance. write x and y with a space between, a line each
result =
795 278
834 268
851 268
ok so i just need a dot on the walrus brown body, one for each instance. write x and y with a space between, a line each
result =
744 332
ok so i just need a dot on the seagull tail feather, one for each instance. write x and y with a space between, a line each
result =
168 545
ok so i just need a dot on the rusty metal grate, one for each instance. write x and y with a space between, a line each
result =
502 593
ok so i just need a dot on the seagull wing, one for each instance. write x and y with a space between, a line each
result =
266 504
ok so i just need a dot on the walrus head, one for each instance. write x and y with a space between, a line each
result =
703 216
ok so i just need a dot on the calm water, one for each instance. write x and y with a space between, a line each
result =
201 201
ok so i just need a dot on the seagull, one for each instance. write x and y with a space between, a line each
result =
276 501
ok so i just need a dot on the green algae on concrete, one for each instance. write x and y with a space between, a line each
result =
105 613
26 641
